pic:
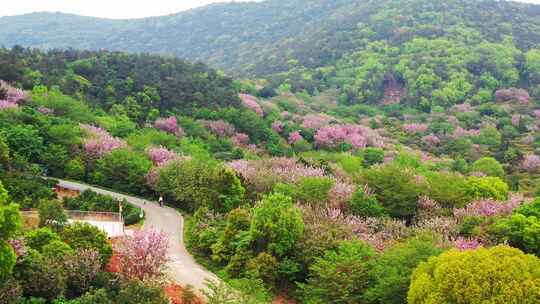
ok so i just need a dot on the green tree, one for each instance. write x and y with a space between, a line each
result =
25 141
85 236
10 223
276 225
365 205
477 276
52 214
340 276
314 190
392 270
486 187
372 156
519 231
396 188
123 170
489 166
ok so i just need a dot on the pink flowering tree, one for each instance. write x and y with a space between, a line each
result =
240 139
277 126
161 155
219 127
316 121
143 255
169 125
415 128
251 103
295 137
357 136
530 163
462 243
489 207
431 140
99 142
6 105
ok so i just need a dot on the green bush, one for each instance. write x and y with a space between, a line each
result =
391 274
477 276
341 276
489 166
85 236
276 225
365 206
38 238
314 190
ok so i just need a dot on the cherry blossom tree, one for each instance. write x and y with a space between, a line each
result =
294 137
277 126
462 243
169 125
251 103
99 142
143 255
356 135
219 127
414 128
489 207
531 162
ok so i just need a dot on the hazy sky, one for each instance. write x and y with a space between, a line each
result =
110 8
104 8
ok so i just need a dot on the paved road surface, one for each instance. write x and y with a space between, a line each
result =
182 267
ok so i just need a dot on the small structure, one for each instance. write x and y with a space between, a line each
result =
110 223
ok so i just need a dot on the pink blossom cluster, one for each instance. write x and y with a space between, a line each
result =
100 142
356 135
519 95
240 139
161 155
453 120
263 174
277 126
18 246
295 137
413 128
13 95
378 233
285 115
489 207
516 119
169 125
340 194
537 114
143 255
316 121
445 226
6 105
462 108
219 127
251 103
459 132
462 243
530 162
431 139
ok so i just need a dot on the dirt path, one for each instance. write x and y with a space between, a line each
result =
182 268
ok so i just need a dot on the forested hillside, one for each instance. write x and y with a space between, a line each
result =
270 36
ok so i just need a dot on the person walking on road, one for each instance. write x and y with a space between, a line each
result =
160 201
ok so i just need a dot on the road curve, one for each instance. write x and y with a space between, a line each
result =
182 267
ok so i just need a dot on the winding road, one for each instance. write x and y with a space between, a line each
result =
182 267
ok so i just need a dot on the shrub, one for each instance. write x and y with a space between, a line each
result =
38 238
264 266
137 292
38 277
396 188
52 214
276 225
123 170
75 169
486 187
519 231
364 205
489 166
458 275
372 156
340 276
81 269
56 251
85 236
392 271
314 190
